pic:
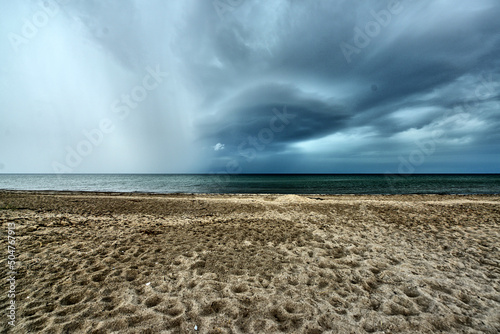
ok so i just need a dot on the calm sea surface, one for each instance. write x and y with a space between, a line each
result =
276 184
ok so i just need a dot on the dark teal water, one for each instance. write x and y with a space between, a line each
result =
269 184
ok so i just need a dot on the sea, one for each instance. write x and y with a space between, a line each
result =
258 183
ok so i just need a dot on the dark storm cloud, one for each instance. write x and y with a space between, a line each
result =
295 115
427 63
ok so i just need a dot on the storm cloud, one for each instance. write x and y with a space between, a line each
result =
250 86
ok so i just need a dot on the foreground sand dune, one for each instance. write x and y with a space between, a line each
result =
103 263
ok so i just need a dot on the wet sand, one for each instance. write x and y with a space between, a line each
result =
136 263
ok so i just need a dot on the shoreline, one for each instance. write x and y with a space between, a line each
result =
51 191
165 263
142 193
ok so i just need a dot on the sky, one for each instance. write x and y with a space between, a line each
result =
248 86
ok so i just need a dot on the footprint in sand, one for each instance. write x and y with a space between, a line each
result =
72 298
213 307
131 275
153 301
99 277
172 308
240 288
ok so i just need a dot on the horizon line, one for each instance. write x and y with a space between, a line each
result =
234 174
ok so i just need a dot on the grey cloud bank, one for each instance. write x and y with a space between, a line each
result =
250 86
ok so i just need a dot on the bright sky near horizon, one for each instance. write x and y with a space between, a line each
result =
247 86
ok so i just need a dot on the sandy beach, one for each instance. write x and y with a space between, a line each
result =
137 263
